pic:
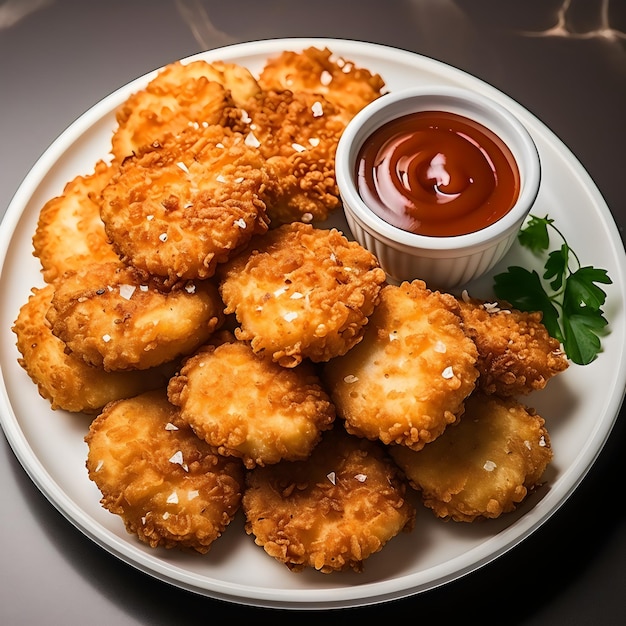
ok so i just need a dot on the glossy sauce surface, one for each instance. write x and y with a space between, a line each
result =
437 173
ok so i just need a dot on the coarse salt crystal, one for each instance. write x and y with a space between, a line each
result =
393 336
361 478
106 338
314 141
241 223
172 498
350 378
332 477
183 167
280 291
465 295
239 179
166 515
491 307
163 236
170 426
177 458
440 347
298 147
190 288
219 144
289 317
448 372
220 178
326 78
149 217
489 466
252 141
100 465
317 109
127 291
192 493
307 217
296 295
542 442
143 288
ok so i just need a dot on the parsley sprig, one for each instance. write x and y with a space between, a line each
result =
572 306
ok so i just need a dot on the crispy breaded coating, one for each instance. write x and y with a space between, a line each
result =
70 231
332 511
187 205
516 354
483 466
408 378
301 292
297 134
250 407
181 95
110 317
65 380
165 483
312 70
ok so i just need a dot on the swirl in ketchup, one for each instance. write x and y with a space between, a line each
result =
437 173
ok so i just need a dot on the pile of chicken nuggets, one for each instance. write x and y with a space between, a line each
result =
234 355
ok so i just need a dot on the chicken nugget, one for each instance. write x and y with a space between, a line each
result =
70 231
187 205
65 380
483 466
110 317
332 511
516 354
249 407
297 134
181 95
339 80
408 378
165 483
301 292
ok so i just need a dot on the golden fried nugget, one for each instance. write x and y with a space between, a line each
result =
187 205
297 134
65 380
408 378
516 354
332 511
301 292
180 95
165 483
483 466
110 317
249 407
339 80
70 231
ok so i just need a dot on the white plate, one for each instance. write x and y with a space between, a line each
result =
580 406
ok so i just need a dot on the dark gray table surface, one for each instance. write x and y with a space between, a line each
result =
564 60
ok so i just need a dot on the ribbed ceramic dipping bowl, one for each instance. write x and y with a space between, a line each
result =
443 262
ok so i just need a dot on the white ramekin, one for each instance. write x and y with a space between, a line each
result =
442 262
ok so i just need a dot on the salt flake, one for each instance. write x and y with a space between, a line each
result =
448 372
127 291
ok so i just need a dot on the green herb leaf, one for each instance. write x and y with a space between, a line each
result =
535 235
571 307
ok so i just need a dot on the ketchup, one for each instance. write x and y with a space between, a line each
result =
437 173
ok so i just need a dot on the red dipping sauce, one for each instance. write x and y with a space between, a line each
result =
437 173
